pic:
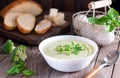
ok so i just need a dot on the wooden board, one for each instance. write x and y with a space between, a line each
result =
33 38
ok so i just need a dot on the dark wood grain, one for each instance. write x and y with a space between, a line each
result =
2 40
33 38
59 4
4 66
66 5
46 4
2 57
4 3
57 74
82 5
69 5
40 65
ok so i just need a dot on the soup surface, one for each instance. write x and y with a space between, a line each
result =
50 49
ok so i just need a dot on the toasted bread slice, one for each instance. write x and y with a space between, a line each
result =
43 26
10 20
23 6
25 23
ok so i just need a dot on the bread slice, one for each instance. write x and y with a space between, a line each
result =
10 20
43 26
25 23
23 6
59 19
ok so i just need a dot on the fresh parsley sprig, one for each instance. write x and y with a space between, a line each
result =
20 68
111 20
71 48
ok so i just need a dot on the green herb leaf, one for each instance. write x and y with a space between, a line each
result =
60 49
110 21
28 72
17 68
11 71
112 27
103 20
70 48
93 20
113 13
117 23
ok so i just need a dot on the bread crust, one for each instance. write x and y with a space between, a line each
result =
8 27
43 30
21 29
16 3
11 27
41 24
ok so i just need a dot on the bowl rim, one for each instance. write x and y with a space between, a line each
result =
78 37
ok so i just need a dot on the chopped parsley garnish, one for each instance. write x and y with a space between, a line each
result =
71 48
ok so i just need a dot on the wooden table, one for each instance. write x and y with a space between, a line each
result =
36 62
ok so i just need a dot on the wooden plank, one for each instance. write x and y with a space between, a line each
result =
105 72
85 71
57 74
2 57
4 66
59 4
15 76
36 62
71 32
46 4
42 68
4 3
116 71
33 38
69 5
2 40
82 5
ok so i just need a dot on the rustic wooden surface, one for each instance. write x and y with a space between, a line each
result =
62 5
33 38
36 62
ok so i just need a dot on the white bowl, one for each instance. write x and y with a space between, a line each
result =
68 65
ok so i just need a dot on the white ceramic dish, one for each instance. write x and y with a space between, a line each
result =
68 65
